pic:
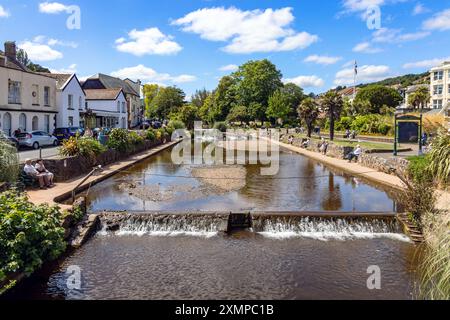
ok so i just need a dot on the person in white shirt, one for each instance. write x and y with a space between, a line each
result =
32 172
355 154
42 170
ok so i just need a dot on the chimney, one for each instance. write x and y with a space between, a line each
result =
10 50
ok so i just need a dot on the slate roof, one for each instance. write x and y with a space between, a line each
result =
61 78
13 63
109 82
102 94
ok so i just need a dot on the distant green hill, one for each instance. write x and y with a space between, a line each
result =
404 81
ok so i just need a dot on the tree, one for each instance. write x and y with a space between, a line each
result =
206 111
294 96
279 106
332 104
309 111
256 81
238 114
224 98
188 114
22 57
378 96
168 100
199 97
150 92
420 98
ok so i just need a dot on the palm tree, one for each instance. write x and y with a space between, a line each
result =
309 111
420 98
332 104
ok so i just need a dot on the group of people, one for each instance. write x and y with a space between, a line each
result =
39 172
323 146
350 134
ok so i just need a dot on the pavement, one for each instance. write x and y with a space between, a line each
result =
44 153
64 189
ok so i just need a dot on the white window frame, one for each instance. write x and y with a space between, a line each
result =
70 101
46 96
438 75
438 89
14 92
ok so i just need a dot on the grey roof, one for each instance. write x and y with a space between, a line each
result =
13 63
110 82
102 94
61 79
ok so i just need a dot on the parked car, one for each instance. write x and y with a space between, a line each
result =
37 139
11 140
65 133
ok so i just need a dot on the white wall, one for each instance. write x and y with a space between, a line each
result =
62 98
110 107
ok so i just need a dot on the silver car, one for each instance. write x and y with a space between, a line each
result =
37 139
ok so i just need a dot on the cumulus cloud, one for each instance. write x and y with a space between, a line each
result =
53 7
40 52
306 81
247 31
366 47
323 60
419 9
366 73
440 21
386 35
3 12
430 63
54 42
149 75
230 67
71 69
150 41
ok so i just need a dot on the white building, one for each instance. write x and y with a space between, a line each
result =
107 108
130 89
27 99
440 86
70 99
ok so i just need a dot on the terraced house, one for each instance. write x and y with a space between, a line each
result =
440 87
130 89
27 99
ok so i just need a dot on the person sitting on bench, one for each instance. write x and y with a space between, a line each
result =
32 172
42 170
355 154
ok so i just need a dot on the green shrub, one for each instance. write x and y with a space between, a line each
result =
150 135
9 162
134 138
222 126
344 124
440 158
384 128
118 139
85 146
177 125
418 169
29 235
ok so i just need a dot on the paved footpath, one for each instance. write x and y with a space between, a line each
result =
359 170
65 188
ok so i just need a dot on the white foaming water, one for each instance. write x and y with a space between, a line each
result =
174 228
326 230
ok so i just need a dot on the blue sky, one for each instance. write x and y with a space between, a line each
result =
192 44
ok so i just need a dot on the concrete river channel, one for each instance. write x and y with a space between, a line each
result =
308 232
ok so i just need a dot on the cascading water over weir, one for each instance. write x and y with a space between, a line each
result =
319 226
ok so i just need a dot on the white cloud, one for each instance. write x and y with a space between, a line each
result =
306 81
247 31
54 42
71 69
419 9
386 35
149 75
324 60
4 13
366 73
40 52
360 6
150 41
53 7
366 47
230 67
425 63
440 21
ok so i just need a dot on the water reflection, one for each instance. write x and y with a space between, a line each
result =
301 184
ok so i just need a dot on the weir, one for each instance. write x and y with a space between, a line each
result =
319 225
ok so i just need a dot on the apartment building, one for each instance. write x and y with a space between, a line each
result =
440 86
